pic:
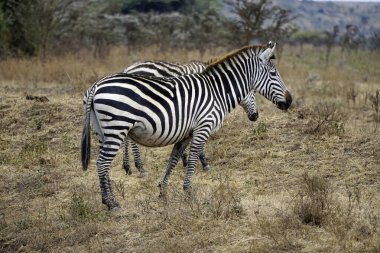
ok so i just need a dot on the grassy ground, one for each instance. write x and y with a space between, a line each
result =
306 180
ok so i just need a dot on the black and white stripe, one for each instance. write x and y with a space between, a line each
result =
158 112
165 68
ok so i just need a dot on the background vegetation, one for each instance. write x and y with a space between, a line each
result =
302 180
55 27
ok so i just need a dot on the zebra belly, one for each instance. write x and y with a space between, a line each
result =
145 136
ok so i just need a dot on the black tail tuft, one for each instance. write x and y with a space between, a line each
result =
86 144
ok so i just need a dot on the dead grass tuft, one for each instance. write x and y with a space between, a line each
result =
223 201
354 222
375 104
280 228
323 118
313 202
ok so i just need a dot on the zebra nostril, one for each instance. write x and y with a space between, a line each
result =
253 116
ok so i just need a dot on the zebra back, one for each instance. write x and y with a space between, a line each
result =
165 68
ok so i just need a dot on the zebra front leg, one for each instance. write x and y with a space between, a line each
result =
138 162
126 166
173 160
107 152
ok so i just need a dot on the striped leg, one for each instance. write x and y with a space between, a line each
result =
202 158
107 152
138 162
196 148
126 166
173 160
184 158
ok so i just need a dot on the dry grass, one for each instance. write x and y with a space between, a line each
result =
306 180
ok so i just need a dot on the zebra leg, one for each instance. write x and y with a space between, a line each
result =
184 158
138 162
107 152
203 159
173 160
126 166
196 148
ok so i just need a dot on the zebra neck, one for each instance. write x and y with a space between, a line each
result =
230 83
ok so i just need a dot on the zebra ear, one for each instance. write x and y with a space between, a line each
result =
265 56
273 46
268 53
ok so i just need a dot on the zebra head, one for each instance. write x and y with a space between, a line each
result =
249 105
269 82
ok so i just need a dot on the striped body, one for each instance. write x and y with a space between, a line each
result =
158 112
169 69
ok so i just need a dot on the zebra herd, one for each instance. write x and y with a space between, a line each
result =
157 104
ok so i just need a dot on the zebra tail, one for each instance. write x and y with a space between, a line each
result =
86 135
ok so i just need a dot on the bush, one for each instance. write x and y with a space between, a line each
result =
323 118
313 202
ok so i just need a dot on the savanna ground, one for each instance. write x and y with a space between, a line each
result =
305 180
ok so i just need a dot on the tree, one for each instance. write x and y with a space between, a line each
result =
307 37
257 20
351 38
374 41
31 24
330 38
167 6
203 31
4 32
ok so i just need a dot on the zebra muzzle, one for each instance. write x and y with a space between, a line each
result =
284 105
253 116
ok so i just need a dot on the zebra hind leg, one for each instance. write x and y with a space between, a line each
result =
184 158
203 159
196 148
138 162
173 160
126 166
106 154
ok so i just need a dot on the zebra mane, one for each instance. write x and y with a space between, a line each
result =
256 49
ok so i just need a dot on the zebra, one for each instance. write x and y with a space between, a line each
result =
157 112
171 69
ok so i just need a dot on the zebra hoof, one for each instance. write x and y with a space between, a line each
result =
163 195
189 193
128 170
143 174
115 208
163 191
112 204
207 168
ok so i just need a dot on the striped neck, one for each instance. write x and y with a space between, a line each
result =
234 76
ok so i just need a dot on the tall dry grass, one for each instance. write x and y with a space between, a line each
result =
79 70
